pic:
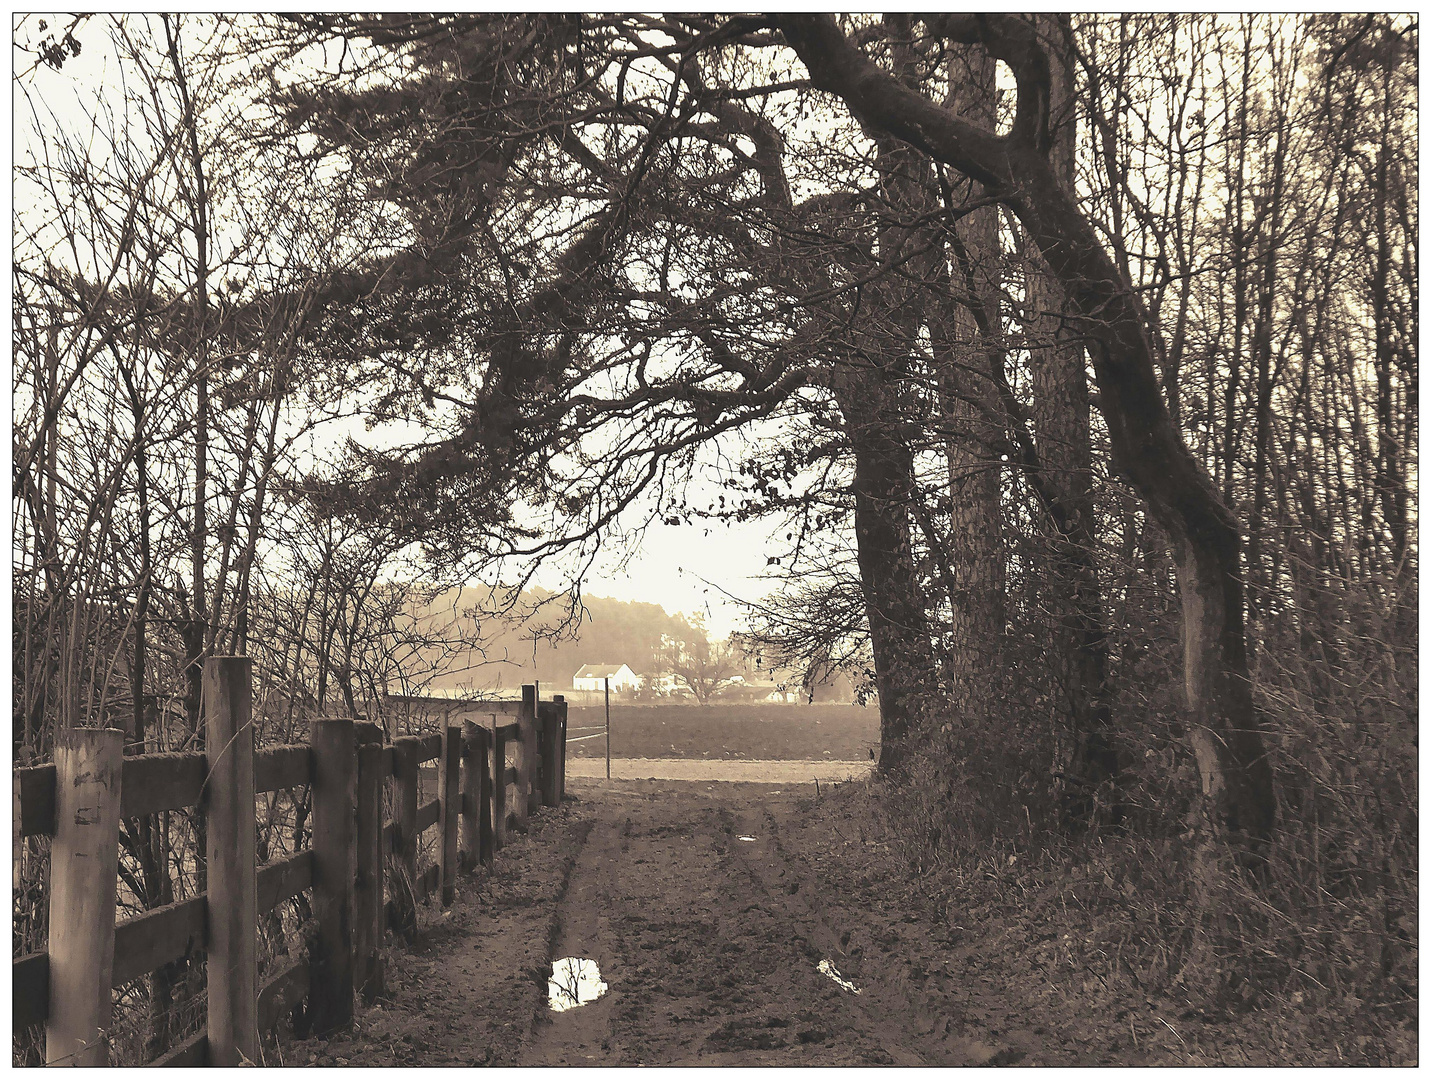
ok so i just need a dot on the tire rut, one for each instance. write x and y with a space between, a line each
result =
705 965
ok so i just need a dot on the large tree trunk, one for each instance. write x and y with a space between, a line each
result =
894 605
966 348
872 392
867 388
1147 447
1060 415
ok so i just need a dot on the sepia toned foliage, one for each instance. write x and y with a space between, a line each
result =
1072 360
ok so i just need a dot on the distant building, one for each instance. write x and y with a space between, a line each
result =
594 676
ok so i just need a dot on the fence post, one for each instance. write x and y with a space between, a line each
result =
551 769
368 878
485 845
499 788
233 878
335 867
527 796
84 863
470 849
17 842
561 748
451 795
404 892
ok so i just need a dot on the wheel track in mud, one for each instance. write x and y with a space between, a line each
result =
711 946
931 1024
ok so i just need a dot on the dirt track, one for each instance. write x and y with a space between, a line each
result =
711 952
710 945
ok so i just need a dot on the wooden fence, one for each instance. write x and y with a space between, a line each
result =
80 799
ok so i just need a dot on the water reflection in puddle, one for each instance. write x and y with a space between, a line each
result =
747 839
574 981
828 969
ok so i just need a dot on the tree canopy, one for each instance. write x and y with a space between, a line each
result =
1071 359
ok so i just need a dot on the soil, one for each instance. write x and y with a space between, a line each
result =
712 948
722 731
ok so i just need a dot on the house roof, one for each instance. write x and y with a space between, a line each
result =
599 671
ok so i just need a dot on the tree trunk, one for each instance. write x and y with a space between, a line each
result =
198 206
894 606
967 352
1060 415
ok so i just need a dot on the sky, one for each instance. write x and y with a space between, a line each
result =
694 569
703 568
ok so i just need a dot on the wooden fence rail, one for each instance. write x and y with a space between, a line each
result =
80 799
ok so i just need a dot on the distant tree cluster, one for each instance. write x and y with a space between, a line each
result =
548 636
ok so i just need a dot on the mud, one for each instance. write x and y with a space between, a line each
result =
716 913
712 950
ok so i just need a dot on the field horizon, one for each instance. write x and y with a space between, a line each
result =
760 732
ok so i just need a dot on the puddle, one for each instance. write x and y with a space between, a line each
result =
574 981
747 839
828 969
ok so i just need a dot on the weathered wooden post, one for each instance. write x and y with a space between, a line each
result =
335 868
17 841
528 797
451 802
499 788
405 778
486 841
561 748
84 864
368 878
551 768
473 760
232 891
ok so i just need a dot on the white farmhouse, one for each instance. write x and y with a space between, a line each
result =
594 676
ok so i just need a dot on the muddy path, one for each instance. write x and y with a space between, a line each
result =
711 946
711 955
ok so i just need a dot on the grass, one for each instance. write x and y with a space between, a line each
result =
742 732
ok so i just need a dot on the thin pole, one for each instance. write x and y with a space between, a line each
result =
608 729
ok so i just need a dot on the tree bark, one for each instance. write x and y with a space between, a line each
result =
1060 415
894 606
966 347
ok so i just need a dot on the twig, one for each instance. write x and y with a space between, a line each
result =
1174 1031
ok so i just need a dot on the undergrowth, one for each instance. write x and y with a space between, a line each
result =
1315 944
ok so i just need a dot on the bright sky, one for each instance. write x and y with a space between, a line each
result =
702 568
688 568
